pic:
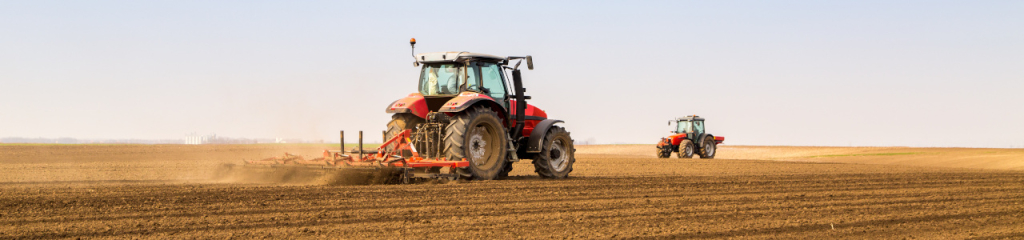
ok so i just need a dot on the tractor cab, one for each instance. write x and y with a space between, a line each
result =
445 75
692 126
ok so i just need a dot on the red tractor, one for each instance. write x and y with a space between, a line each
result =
689 138
472 107
469 120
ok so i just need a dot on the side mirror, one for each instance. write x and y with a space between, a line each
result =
670 122
529 62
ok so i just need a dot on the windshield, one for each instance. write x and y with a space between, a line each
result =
684 127
442 79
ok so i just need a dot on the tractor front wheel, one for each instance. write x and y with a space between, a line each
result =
557 155
477 136
709 148
504 172
685 149
664 152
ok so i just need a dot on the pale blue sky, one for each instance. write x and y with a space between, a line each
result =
860 73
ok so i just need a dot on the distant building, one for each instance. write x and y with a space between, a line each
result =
195 139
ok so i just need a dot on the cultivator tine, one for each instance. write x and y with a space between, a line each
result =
406 176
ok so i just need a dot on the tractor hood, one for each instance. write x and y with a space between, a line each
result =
676 138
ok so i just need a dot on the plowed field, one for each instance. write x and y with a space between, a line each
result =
617 191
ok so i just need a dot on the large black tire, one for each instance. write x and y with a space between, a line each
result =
709 148
504 171
685 149
478 136
400 122
556 156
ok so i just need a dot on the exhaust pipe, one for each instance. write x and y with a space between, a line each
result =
517 83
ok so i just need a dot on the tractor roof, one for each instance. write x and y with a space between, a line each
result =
437 57
690 118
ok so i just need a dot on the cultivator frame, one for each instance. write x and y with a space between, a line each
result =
383 159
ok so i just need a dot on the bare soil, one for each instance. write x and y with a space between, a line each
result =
616 191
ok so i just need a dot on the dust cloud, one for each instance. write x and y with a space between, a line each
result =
298 175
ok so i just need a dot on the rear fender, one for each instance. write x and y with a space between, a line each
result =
468 99
463 101
413 103
538 134
703 136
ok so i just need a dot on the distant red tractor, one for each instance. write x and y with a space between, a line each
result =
689 137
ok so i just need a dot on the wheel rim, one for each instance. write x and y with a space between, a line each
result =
709 149
689 150
559 160
480 149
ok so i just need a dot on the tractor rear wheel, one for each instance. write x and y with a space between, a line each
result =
556 156
401 122
478 136
709 148
685 149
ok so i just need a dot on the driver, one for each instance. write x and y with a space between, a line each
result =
432 82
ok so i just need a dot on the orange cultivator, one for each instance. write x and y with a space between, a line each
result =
388 157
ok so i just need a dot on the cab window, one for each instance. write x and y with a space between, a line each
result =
441 79
471 79
684 127
490 74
